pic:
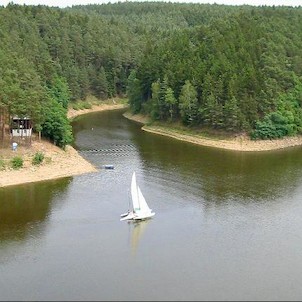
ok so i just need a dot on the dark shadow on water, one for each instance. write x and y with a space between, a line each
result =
218 175
215 175
24 209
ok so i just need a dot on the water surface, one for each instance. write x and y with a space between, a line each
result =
227 225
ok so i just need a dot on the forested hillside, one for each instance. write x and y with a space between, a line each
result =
234 68
241 71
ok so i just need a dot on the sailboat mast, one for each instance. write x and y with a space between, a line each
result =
129 201
137 193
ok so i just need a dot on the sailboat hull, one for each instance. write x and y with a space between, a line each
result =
143 217
133 216
127 216
140 209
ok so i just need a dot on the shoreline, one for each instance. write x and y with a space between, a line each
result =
58 163
240 143
72 113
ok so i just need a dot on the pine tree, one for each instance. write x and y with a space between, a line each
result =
188 104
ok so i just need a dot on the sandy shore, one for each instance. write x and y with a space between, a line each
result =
240 143
58 163
73 113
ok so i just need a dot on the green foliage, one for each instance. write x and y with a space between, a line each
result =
162 93
285 121
155 107
134 93
264 130
20 88
188 104
233 117
171 101
56 126
38 158
81 105
238 73
244 63
2 164
100 84
212 113
16 162
59 91
274 126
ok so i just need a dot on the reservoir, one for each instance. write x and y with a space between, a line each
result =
228 225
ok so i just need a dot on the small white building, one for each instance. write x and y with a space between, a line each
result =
21 127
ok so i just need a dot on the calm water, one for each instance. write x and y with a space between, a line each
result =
228 225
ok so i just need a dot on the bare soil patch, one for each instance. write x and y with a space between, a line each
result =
57 162
238 143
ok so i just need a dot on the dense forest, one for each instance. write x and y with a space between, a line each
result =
231 68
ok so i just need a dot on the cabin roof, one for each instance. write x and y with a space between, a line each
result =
21 118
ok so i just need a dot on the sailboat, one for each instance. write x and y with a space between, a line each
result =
140 209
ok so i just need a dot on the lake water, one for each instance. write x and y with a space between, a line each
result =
228 225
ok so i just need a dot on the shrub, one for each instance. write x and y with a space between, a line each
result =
56 125
81 105
275 125
87 105
2 164
38 158
16 162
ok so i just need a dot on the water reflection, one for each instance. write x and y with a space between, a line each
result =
137 229
102 129
24 209
221 175
216 176
226 223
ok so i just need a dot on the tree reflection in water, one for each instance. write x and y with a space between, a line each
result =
24 209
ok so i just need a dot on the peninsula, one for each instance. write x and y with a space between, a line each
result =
60 163
238 143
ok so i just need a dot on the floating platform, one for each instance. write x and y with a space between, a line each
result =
108 167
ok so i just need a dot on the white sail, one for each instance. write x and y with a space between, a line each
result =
144 208
140 209
134 194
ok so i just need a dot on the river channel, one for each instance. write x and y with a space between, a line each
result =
228 225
